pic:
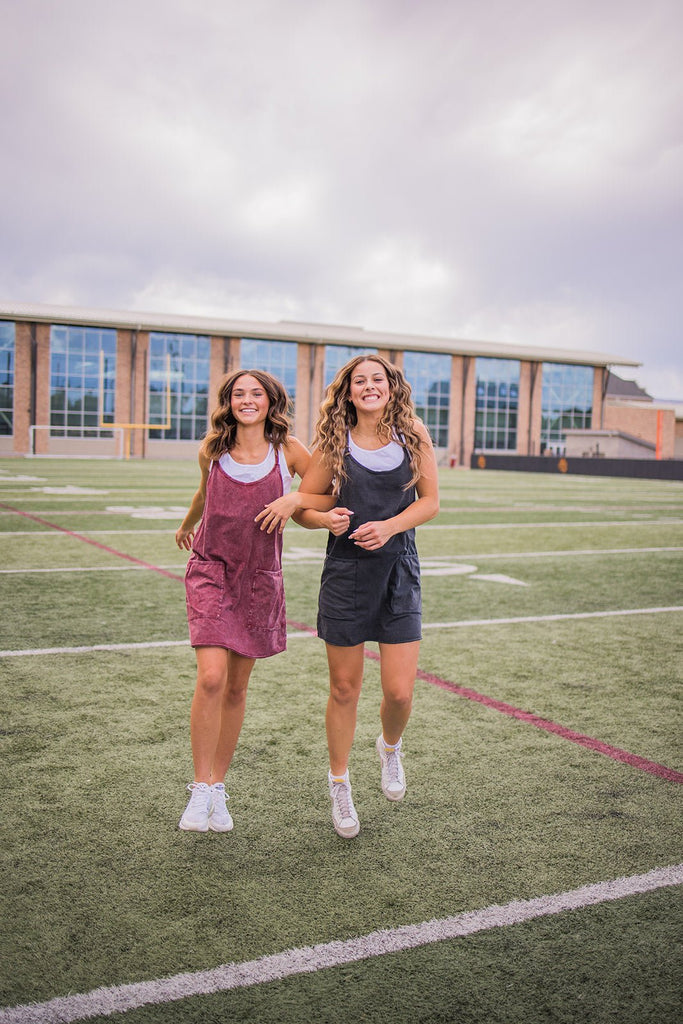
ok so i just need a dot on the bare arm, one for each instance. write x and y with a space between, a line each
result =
277 512
186 530
318 480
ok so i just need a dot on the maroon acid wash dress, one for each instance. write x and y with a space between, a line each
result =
233 582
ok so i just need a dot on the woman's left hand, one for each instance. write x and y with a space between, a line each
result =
373 535
276 513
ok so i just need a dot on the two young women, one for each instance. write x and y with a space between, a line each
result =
371 480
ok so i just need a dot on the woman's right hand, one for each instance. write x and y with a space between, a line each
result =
337 520
183 538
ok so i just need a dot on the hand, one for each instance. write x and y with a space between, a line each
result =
184 538
337 520
372 535
276 513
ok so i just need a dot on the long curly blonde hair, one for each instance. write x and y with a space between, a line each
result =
338 416
222 435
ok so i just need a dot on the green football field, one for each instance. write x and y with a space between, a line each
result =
532 873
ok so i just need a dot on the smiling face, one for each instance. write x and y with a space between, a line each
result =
249 400
369 387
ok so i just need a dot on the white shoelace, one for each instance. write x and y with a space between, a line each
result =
393 764
341 793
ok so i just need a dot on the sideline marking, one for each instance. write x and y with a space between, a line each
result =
88 540
112 999
597 746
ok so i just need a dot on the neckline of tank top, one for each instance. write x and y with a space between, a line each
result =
371 451
237 471
386 459
252 465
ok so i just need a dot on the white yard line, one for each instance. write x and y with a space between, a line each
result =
308 635
662 521
550 618
309 959
668 521
317 556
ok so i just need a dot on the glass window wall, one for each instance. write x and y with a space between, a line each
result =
566 403
429 376
179 368
276 357
337 356
497 403
6 377
82 380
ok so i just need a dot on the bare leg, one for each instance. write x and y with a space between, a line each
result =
398 669
346 678
232 713
205 714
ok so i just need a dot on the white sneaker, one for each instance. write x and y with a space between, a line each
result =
196 815
393 776
220 819
344 817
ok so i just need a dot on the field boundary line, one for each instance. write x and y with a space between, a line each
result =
310 959
89 540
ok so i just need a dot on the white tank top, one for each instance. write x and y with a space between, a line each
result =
247 473
388 457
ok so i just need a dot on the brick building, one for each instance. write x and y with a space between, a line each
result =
100 382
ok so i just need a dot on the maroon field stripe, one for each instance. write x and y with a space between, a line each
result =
95 543
616 753
559 730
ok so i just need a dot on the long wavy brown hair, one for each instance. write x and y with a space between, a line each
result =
222 434
338 416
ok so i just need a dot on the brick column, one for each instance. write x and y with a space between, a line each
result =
42 385
22 387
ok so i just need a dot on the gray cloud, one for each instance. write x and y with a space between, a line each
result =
492 170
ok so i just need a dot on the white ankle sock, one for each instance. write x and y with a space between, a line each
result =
392 746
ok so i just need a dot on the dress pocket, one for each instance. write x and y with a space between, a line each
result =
405 594
338 589
266 601
204 588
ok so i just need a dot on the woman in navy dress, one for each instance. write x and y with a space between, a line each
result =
377 458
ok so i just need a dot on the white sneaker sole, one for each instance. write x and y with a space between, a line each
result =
349 832
214 827
185 826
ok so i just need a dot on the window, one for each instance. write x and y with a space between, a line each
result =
429 376
82 380
337 356
179 368
497 402
276 357
566 402
6 377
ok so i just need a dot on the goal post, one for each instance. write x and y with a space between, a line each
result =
46 441
128 428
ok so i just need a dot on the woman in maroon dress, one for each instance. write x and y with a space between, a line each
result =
233 583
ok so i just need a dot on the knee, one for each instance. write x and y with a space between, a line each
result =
211 683
235 694
344 691
399 700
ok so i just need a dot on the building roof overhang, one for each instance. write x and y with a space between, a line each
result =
311 333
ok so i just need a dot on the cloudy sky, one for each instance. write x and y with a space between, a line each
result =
508 171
